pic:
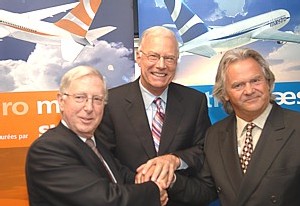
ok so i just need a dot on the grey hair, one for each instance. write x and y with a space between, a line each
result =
158 31
230 57
77 73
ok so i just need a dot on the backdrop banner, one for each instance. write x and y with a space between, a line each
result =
37 47
208 28
227 26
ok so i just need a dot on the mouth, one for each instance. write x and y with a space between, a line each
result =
157 74
252 99
86 120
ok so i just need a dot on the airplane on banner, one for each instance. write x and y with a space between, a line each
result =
70 32
200 39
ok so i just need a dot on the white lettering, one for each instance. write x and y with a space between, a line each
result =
17 108
211 100
44 128
49 106
287 98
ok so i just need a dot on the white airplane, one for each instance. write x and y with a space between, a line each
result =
206 41
71 32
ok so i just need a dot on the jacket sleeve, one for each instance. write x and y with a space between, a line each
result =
58 176
197 190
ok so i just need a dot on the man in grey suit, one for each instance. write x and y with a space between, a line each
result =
270 173
127 121
65 167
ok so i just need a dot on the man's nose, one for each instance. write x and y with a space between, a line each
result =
161 62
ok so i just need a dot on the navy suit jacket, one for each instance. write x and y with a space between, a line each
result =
125 129
62 170
272 177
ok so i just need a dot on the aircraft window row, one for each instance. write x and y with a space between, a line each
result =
17 26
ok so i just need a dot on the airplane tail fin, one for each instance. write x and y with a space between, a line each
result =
188 24
80 18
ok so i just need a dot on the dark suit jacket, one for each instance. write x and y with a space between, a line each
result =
125 128
62 170
272 177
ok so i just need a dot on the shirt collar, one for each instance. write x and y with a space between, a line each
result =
259 121
148 97
82 138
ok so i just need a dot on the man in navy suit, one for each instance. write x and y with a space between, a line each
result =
271 174
127 121
61 169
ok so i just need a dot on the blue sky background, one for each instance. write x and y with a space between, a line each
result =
196 70
26 66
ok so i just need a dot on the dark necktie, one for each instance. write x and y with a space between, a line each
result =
157 122
248 147
92 145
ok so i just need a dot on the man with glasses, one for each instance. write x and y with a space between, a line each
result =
126 129
67 165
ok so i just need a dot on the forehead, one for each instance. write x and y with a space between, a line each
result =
243 69
158 44
86 83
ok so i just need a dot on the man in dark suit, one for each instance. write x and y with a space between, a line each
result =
270 172
126 128
64 167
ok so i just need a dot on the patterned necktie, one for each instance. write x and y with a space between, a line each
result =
157 123
92 145
248 148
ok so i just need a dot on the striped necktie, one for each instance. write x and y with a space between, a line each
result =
157 123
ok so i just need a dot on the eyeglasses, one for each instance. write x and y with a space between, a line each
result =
83 98
154 58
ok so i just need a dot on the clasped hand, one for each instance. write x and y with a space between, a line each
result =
159 170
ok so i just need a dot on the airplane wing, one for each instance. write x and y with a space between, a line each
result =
96 33
70 49
273 34
202 50
3 32
48 12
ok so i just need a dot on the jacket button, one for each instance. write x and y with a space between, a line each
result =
219 189
273 199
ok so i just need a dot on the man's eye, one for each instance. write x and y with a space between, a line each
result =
100 99
256 81
238 86
80 97
153 57
170 59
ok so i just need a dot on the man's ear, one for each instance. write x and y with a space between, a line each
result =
60 101
138 57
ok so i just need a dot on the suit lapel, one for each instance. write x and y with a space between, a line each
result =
94 163
230 157
88 156
135 109
272 139
174 110
110 162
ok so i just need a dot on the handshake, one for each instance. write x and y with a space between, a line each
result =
161 171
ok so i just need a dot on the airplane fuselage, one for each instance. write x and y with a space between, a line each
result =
31 30
240 33
72 32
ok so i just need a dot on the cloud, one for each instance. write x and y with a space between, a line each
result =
6 77
160 4
45 66
236 7
284 62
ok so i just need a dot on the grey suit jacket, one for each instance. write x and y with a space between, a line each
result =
273 175
62 170
125 128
